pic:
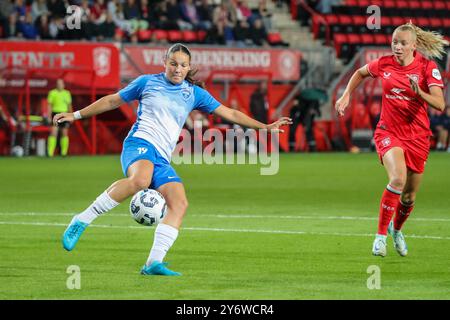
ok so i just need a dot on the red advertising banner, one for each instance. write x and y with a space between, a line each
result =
284 64
42 61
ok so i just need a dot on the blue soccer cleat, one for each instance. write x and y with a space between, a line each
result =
158 269
73 233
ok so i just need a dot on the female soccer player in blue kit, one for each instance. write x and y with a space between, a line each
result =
165 101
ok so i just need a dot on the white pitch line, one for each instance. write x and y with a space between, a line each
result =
232 216
46 224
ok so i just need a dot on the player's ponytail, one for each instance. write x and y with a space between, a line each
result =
191 74
430 43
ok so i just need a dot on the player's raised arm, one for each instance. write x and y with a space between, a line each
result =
240 118
103 104
355 81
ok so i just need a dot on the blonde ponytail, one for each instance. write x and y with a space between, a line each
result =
430 43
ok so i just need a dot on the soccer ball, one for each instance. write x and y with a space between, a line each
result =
148 207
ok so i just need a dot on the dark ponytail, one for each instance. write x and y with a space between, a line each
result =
190 75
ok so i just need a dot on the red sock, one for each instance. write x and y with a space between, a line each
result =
388 206
401 214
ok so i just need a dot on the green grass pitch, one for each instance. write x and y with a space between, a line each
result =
305 233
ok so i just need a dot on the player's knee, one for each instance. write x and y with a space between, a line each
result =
179 207
398 182
139 183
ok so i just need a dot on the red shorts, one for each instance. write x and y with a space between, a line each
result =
416 151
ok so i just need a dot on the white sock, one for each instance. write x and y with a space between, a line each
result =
102 204
165 236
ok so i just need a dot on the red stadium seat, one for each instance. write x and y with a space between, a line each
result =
389 4
331 19
439 5
159 35
367 38
274 38
414 5
354 38
359 20
352 3
397 21
201 35
345 20
436 23
423 22
386 21
144 35
339 40
427 5
381 39
403 5
174 36
189 36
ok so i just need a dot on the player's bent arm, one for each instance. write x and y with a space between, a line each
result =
243 120
435 98
102 105
355 81
238 117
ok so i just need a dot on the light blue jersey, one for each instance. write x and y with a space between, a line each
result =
164 108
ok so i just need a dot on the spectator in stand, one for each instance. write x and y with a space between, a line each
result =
56 28
265 15
115 8
107 30
189 13
224 19
132 13
258 33
57 7
205 15
21 9
98 11
6 10
38 8
43 27
174 14
243 12
26 28
242 34
144 10
90 29
325 6
259 106
11 28
303 14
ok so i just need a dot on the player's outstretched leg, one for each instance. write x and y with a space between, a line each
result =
379 246
399 240
73 233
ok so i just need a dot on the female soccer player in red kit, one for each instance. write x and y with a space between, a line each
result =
410 82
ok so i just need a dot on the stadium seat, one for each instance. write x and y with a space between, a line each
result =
174 36
426 5
189 36
144 35
201 34
381 39
159 35
274 38
339 40
367 39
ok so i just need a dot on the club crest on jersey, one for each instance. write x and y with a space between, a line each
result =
413 77
386 142
386 75
186 93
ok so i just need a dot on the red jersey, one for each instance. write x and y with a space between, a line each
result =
402 113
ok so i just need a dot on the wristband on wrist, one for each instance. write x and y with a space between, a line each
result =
77 115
